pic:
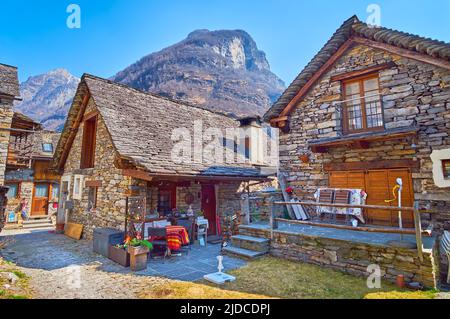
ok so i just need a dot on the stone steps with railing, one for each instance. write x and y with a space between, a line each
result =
247 247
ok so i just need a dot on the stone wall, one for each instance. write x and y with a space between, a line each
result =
6 115
413 94
111 196
352 258
115 187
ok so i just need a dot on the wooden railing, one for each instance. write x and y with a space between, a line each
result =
417 220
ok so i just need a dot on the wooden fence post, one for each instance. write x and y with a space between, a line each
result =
245 209
273 221
418 228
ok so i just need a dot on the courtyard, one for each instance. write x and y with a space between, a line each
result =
61 268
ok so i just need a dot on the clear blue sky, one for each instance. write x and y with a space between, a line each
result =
116 33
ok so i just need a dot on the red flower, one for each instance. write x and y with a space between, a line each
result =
289 190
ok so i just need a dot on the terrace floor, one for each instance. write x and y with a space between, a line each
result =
364 237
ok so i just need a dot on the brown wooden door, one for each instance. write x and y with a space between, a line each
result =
378 185
209 207
39 205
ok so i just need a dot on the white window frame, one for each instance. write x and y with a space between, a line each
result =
78 195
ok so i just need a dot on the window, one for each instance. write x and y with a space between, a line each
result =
167 196
41 190
78 187
88 146
247 147
13 191
55 191
362 110
92 198
446 168
47 147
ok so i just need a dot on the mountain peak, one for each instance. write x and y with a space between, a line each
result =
221 69
47 97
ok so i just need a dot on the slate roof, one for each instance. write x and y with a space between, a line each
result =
140 125
43 137
354 27
9 81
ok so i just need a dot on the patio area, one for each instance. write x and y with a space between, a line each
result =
48 251
352 251
363 237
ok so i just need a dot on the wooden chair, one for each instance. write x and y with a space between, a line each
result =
326 196
158 233
342 196
446 247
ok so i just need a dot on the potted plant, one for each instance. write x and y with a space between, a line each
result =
138 250
120 255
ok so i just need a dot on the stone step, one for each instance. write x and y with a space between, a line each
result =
34 217
38 225
242 252
250 243
36 221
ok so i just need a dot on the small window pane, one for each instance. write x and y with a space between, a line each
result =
13 190
371 85
47 148
41 191
55 191
92 198
446 168
352 88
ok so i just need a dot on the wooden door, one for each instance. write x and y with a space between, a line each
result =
378 185
377 189
209 207
39 206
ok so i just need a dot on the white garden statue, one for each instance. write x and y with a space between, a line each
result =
220 260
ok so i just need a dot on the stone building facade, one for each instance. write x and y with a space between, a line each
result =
413 140
9 91
131 159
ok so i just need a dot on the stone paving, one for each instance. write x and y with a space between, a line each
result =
60 267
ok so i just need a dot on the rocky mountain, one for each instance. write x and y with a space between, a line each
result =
222 70
48 97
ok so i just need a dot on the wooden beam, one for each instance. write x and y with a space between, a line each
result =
382 164
137 174
363 72
391 208
422 57
74 130
316 77
90 115
418 230
93 183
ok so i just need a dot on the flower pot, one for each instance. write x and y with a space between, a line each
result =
119 255
138 257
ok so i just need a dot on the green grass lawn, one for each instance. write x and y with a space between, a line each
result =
277 278
19 290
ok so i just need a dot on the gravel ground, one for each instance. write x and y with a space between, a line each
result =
61 268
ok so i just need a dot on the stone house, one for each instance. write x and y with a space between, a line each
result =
372 106
119 142
26 152
9 92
